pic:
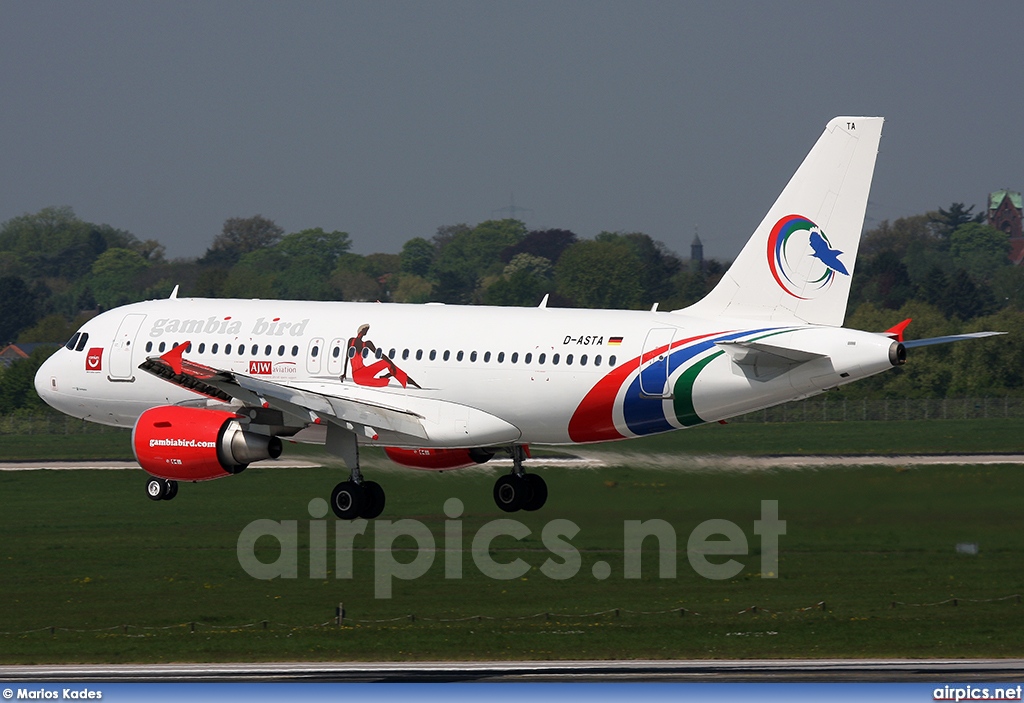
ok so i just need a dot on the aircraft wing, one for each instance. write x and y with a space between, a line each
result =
912 343
401 420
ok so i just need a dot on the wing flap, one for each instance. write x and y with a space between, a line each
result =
357 411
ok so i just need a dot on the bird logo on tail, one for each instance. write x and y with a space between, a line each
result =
801 258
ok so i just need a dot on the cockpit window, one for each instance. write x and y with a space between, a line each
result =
73 341
82 341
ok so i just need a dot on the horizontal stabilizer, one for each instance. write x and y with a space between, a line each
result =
912 343
740 351
763 362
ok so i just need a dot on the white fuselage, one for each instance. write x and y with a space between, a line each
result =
502 375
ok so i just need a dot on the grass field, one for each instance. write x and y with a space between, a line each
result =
86 553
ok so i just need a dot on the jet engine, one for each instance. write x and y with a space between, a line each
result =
438 459
193 444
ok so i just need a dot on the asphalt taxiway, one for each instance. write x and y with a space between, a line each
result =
733 670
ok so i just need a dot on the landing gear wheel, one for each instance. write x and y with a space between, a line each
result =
374 497
348 499
157 489
511 492
538 492
172 490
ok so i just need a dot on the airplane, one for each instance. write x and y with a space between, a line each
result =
210 385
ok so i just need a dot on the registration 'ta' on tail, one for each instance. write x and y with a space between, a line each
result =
798 265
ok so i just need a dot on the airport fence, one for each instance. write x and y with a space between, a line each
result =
341 618
51 424
821 409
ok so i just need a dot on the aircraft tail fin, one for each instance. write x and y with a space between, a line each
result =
797 266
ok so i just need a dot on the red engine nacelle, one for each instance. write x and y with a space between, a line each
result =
438 459
192 444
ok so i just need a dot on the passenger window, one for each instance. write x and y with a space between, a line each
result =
472 356
611 360
267 349
419 354
213 349
447 354
405 354
336 352
391 354
255 349
515 357
366 352
241 349
501 357
554 359
295 351
583 360
82 341
188 347
227 349
314 352
379 353
74 340
528 358
540 359
202 347
149 346
280 350
487 357
568 359
597 360
433 354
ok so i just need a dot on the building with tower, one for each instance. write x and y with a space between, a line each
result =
696 254
1004 213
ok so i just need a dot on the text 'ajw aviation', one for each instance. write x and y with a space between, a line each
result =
212 385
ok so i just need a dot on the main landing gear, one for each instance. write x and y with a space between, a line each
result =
161 489
354 498
359 498
519 490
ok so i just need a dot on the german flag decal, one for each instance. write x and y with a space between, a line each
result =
614 341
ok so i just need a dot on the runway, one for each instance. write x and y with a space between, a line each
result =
755 670
597 460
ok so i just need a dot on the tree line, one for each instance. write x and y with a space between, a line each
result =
946 269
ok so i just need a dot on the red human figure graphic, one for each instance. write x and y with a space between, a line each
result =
371 375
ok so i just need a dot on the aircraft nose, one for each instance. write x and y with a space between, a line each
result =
46 382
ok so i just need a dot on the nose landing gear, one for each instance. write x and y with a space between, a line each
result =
161 489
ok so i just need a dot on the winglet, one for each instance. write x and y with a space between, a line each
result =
544 302
174 293
896 331
173 357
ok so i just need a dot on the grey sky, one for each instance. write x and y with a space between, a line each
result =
388 119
